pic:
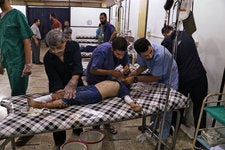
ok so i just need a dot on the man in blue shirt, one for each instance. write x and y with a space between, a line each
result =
108 30
105 58
157 59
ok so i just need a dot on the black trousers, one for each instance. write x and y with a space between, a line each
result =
60 136
197 89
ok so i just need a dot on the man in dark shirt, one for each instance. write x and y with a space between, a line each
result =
64 69
192 75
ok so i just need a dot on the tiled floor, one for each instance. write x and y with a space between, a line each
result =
127 130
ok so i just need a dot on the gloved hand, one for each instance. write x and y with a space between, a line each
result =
126 70
116 74
70 91
27 70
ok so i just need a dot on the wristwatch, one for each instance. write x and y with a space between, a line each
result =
135 79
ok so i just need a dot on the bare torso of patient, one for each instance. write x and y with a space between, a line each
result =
108 88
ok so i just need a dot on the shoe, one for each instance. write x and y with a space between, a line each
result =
110 129
39 63
21 141
77 131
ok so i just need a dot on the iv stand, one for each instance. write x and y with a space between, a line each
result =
174 51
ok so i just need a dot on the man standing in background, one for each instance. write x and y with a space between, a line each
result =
15 50
36 42
67 30
108 31
56 24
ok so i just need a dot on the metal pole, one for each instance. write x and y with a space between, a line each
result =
169 84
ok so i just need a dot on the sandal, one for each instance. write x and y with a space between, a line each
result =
110 129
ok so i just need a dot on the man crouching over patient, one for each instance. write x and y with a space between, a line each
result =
89 94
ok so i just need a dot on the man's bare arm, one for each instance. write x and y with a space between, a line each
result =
138 71
113 73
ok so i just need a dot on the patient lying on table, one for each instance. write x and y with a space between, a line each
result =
89 94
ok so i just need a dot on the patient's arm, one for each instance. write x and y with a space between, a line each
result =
130 102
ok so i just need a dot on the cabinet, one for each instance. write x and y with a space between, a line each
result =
215 108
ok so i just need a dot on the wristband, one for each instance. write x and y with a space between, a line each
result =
29 65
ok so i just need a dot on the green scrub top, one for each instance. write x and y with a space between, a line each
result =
13 30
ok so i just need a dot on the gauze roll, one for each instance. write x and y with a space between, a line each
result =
128 99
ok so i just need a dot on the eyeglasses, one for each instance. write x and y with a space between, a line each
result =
57 49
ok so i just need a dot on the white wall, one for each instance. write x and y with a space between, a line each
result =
210 34
85 20
134 9
19 7
155 19
132 18
209 16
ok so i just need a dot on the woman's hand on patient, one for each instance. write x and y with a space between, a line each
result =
70 90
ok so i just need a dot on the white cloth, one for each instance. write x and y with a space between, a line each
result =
128 99
45 98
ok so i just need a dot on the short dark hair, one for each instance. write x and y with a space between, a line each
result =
141 45
166 29
119 43
53 15
103 13
36 20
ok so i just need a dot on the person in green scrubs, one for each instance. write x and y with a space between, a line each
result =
15 51
15 47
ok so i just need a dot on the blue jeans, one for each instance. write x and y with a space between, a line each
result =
167 124
84 95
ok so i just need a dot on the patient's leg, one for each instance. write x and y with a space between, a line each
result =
58 94
53 96
53 104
